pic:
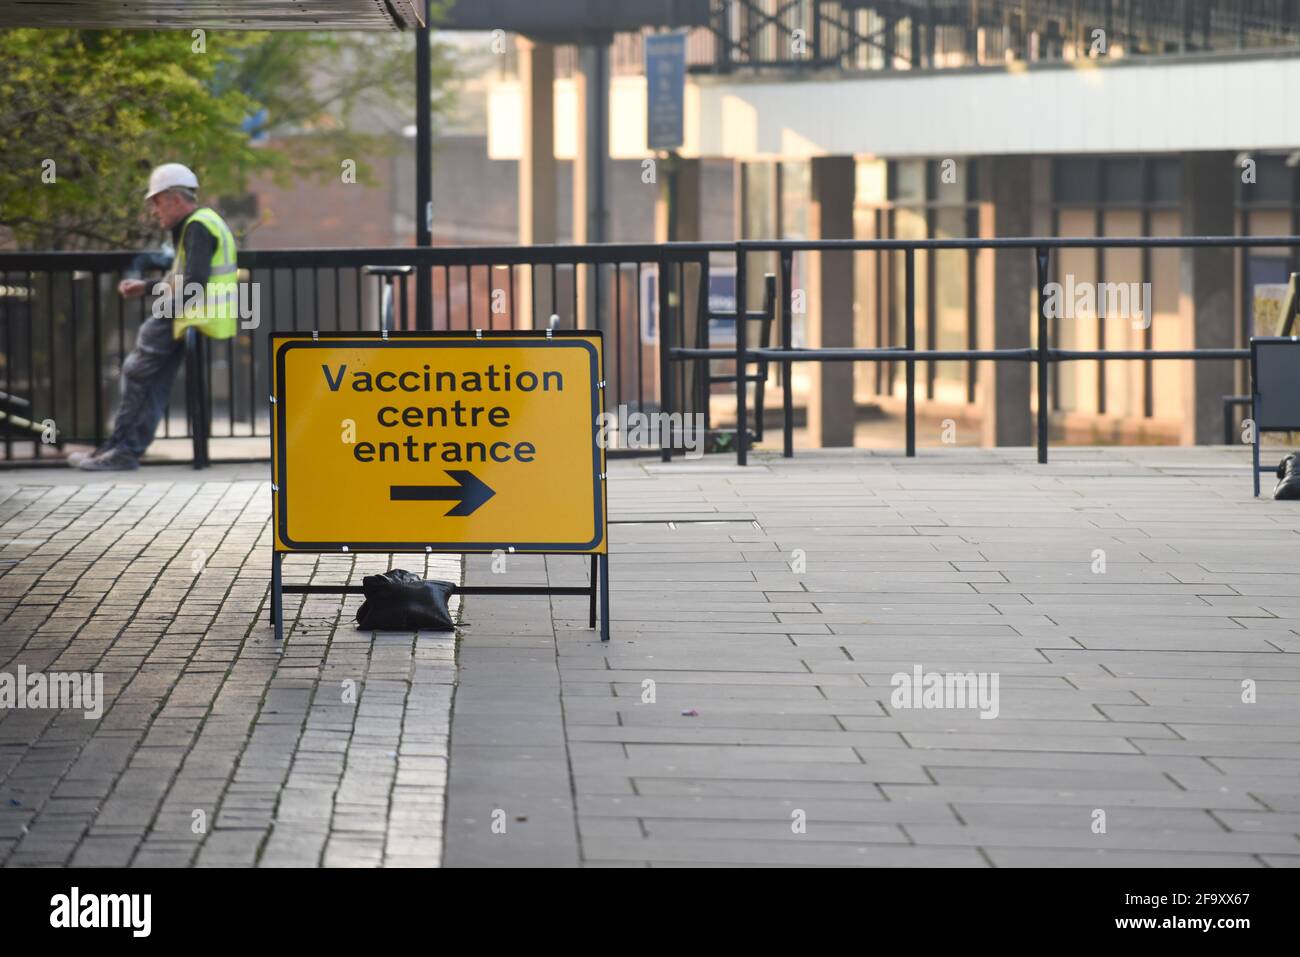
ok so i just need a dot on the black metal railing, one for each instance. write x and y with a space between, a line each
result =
64 332
1041 354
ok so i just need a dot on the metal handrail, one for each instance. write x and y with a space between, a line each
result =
1014 242
587 284
1042 354
558 254
673 389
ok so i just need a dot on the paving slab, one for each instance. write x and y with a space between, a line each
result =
744 712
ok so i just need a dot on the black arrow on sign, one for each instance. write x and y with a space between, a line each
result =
469 493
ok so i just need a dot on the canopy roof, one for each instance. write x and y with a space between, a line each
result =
214 14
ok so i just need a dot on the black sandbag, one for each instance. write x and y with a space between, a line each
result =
1288 475
403 601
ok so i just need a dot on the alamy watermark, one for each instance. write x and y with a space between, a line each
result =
1104 300
133 912
176 298
76 691
652 430
951 690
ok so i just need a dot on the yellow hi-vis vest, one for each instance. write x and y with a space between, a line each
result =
215 316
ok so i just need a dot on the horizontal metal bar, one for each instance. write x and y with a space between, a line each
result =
681 352
881 355
1060 242
1069 355
344 257
620 252
943 355
763 353
731 316
458 590
500 256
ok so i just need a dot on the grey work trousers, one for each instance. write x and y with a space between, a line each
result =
147 377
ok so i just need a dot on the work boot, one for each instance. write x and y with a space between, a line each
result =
113 460
75 459
1288 478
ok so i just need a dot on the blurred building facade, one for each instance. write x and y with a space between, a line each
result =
911 119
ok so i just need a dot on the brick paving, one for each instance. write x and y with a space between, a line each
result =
215 747
767 610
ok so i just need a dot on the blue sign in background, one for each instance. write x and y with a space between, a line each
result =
665 84
722 298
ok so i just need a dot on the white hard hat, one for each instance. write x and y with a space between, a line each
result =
169 176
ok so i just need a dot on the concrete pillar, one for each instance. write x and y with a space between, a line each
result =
590 173
590 167
536 164
1005 280
831 410
683 175
1205 301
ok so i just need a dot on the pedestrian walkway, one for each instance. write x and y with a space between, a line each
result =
742 712
215 747
1136 606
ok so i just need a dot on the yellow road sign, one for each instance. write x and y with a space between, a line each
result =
441 441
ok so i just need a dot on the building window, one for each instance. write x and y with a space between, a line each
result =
916 199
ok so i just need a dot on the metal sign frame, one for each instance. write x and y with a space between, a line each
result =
1283 425
280 343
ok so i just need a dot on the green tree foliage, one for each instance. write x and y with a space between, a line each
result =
84 116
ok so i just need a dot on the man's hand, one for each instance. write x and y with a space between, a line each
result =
132 288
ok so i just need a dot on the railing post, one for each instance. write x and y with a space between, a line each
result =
1041 257
665 365
742 331
196 395
9 368
205 405
787 342
760 378
816 31
423 177
909 281
97 356
702 370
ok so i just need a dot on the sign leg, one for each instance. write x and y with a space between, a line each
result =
591 612
604 597
277 597
275 570
1254 448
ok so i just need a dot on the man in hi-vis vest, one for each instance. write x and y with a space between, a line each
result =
200 290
